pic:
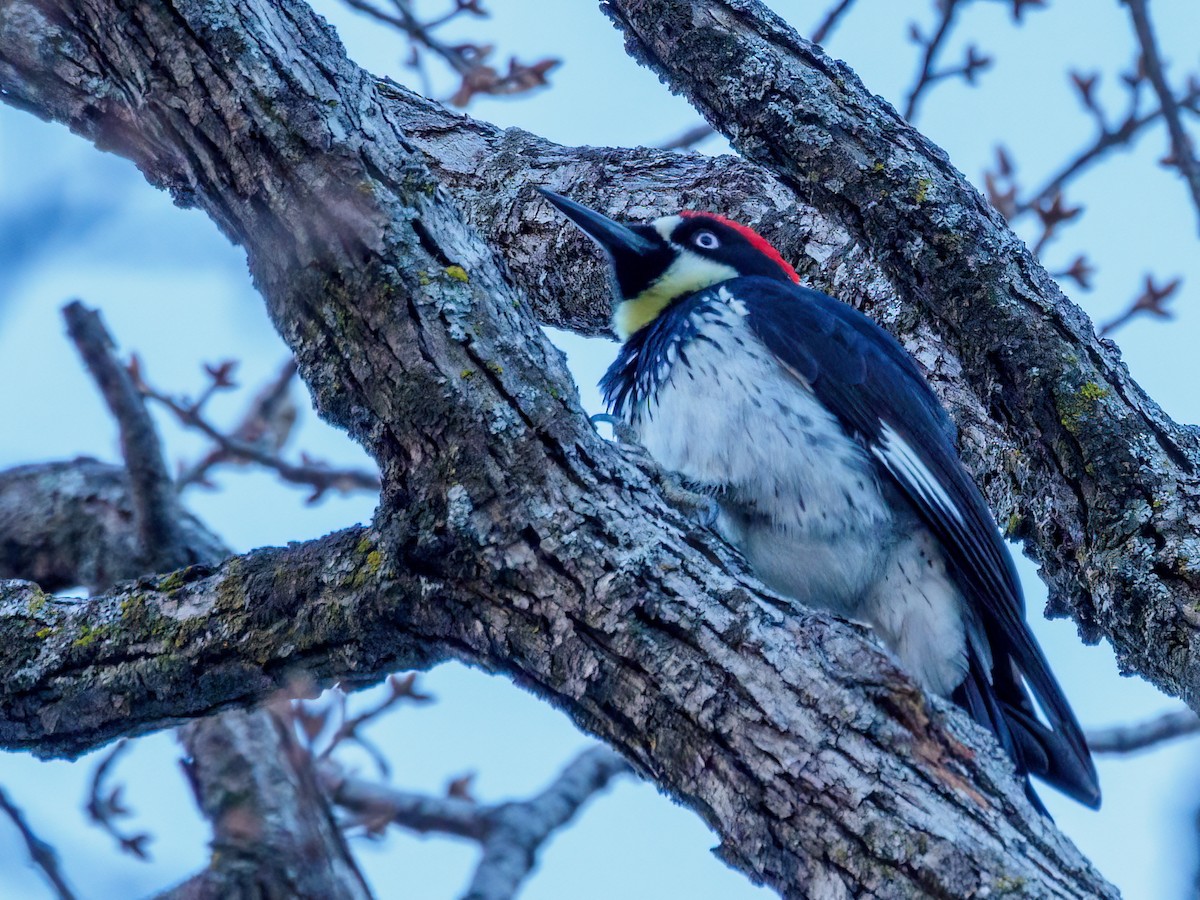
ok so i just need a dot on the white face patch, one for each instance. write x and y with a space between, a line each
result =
666 226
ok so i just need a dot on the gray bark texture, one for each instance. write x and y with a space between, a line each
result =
273 833
508 535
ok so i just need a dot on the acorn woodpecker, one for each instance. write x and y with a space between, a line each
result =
832 465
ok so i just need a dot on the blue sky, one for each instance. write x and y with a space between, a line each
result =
77 223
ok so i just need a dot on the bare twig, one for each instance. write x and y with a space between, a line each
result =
927 75
689 138
1151 301
104 806
1182 155
245 443
1051 214
401 688
266 424
831 20
405 21
1080 271
151 487
1107 138
510 834
469 60
1141 735
518 830
42 854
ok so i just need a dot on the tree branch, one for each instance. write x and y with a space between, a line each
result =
1130 738
697 133
156 515
509 535
1182 152
1106 139
510 834
42 854
67 524
830 21
1072 454
927 75
517 831
273 835
237 446
707 653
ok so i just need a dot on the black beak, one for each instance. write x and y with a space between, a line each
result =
619 240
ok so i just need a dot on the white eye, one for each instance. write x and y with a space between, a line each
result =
706 240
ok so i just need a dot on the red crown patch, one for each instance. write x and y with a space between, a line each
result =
757 241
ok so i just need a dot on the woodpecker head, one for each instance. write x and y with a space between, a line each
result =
673 256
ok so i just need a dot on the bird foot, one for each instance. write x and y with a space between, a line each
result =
696 505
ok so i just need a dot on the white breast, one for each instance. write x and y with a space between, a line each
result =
798 496
729 416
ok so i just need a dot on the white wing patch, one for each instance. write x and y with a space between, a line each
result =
902 461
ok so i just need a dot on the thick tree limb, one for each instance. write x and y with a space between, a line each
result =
1077 461
80 534
808 751
523 544
273 833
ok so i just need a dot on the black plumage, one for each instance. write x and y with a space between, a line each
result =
871 384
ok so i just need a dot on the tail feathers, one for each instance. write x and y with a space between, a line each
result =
1056 754
1054 759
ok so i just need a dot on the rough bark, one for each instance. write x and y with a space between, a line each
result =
81 535
509 535
1079 464
273 834
803 745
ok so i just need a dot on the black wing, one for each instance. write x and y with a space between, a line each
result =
865 378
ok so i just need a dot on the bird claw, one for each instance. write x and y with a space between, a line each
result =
622 431
694 504
697 505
